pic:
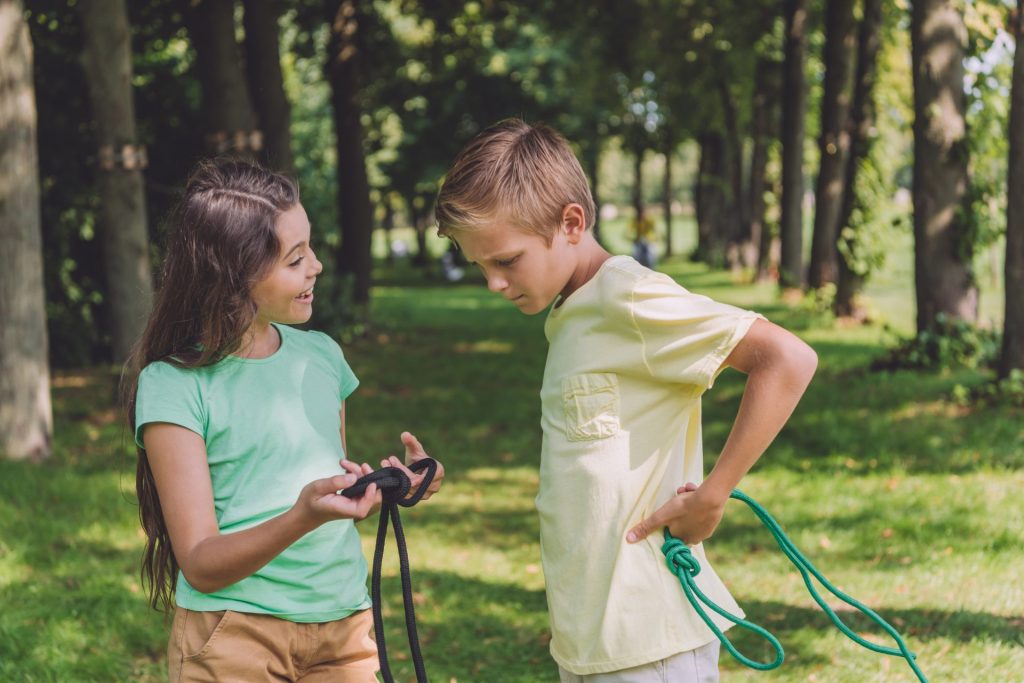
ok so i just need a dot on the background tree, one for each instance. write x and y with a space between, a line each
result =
266 85
1012 355
834 140
861 137
944 282
122 207
26 421
794 105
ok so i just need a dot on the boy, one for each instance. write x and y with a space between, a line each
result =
630 354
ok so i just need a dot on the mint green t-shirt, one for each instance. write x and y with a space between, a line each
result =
271 426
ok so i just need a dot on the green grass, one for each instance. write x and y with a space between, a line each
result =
902 498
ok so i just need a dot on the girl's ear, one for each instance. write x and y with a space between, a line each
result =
574 222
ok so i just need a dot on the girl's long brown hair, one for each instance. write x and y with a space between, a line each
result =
221 241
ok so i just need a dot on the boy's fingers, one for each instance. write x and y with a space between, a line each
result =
413 447
644 528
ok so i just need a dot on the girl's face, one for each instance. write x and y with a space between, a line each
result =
285 295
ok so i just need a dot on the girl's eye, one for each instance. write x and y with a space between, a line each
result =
296 261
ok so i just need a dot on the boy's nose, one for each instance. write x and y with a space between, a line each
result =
496 283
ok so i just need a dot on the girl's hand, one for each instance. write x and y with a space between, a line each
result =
320 502
692 515
413 453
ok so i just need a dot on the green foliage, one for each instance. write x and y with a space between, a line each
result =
1008 391
950 343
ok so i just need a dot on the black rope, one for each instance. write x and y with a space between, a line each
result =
394 486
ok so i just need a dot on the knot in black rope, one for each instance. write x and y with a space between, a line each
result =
395 486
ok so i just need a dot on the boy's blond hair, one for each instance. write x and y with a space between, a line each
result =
516 172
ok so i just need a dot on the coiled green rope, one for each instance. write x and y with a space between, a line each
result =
684 565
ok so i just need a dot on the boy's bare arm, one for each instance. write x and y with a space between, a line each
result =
779 366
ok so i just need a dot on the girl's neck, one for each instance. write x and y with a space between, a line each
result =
260 341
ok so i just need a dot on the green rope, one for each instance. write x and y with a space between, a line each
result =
684 565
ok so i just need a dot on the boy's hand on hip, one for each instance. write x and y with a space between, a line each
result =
692 515
414 452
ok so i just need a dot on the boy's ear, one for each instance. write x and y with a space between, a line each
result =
574 222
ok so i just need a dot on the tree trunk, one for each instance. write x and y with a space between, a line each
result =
712 222
355 213
1012 355
638 181
666 193
592 157
942 248
862 121
26 418
794 105
834 142
107 58
227 107
266 83
751 252
418 217
736 211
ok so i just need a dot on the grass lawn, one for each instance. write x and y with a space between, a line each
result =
902 498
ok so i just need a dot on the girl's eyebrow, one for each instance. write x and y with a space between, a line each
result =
300 244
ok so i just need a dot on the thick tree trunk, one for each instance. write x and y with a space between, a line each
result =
26 418
862 121
794 106
666 193
107 58
266 83
942 250
228 115
355 213
1012 356
834 142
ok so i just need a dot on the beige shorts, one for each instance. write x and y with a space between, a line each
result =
225 647
694 666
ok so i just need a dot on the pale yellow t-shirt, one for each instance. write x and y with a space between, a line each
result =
630 354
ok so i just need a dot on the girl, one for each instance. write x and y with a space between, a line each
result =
240 423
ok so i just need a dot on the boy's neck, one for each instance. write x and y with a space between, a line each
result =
591 256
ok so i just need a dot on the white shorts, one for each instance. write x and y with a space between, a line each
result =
693 666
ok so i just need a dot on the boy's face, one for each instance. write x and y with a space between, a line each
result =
521 266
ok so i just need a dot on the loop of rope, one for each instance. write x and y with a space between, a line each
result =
394 486
682 563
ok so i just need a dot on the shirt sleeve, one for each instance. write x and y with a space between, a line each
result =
347 380
685 336
168 394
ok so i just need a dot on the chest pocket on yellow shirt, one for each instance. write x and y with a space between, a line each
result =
591 406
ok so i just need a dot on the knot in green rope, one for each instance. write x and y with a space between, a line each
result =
679 557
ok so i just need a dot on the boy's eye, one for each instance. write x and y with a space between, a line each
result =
507 262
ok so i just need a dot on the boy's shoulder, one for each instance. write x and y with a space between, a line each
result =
622 274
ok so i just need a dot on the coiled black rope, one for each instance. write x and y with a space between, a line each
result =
394 486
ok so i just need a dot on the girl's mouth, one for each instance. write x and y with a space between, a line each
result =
306 296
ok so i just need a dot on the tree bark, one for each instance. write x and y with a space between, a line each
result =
942 250
638 181
592 156
752 251
834 142
355 214
794 105
266 82
1012 355
735 209
712 222
228 114
107 58
862 120
666 193
26 418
